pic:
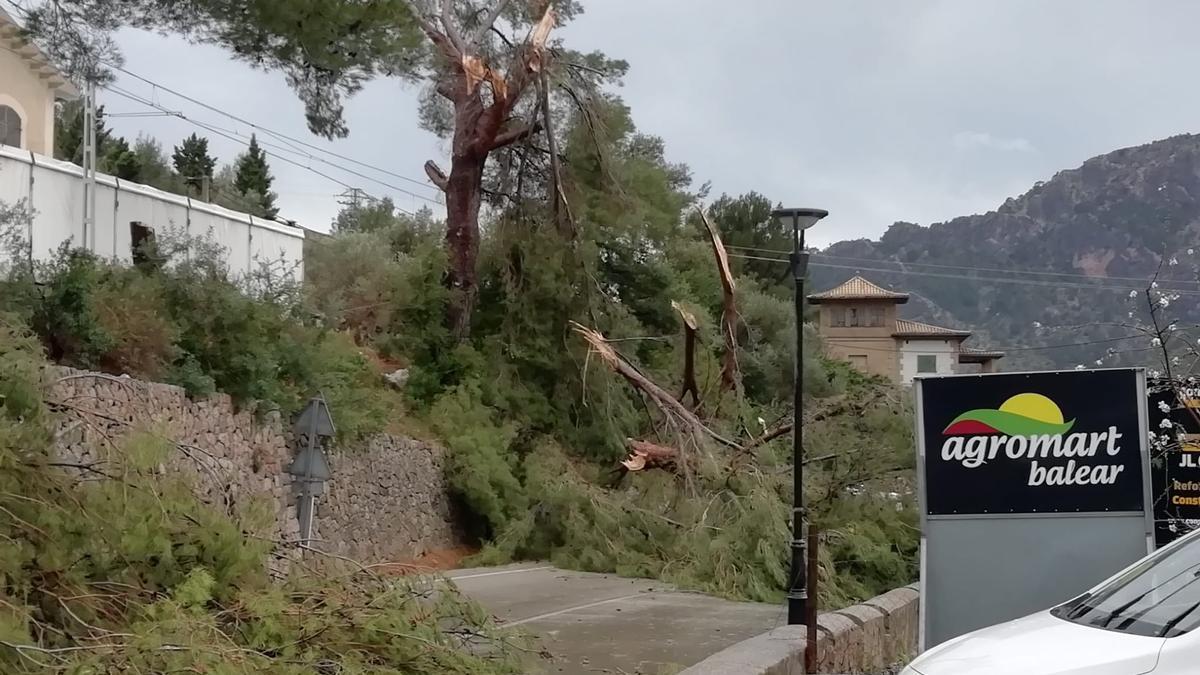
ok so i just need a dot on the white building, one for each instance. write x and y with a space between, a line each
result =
125 211
30 86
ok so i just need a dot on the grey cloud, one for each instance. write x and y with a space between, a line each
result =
876 110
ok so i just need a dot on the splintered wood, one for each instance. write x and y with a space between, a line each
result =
689 355
645 455
677 415
729 366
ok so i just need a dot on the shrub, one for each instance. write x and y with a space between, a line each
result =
129 308
134 574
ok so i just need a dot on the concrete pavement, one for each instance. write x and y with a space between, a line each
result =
601 623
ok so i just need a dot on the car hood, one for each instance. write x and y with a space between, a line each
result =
1042 645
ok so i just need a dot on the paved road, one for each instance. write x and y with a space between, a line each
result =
599 623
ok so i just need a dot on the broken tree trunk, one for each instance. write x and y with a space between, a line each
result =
644 455
729 366
481 124
689 355
675 411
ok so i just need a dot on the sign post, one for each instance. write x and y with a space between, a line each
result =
310 467
1032 489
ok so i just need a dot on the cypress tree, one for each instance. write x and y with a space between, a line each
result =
192 161
253 178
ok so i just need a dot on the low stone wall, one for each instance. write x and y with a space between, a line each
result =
387 502
230 456
864 638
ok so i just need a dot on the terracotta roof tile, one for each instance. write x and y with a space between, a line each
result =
906 328
976 355
857 288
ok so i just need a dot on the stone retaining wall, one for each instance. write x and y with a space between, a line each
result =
864 638
386 501
230 457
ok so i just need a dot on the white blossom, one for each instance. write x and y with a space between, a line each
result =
1175 360
1162 405
1153 284
1154 373
1133 294
1037 324
1163 302
1099 362
1153 436
1191 250
1173 261
1080 367
1156 342
1165 424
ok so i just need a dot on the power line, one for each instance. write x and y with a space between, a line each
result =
223 133
956 267
995 269
271 132
1044 283
227 132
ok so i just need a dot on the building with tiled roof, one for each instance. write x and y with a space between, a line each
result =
29 87
857 288
859 323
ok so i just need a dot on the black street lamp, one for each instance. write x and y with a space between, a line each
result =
799 220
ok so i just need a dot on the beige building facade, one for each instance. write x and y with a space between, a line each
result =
29 88
859 323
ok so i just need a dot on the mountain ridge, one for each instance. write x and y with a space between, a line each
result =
1004 273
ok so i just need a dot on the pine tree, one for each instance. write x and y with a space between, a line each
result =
68 131
253 178
192 161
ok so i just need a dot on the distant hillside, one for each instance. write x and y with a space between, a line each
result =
1115 216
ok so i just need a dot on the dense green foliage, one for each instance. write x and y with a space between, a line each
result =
536 424
132 574
189 321
589 225
113 153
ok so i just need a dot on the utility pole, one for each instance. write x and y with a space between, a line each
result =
353 197
89 165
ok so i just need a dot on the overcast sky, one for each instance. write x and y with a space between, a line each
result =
876 110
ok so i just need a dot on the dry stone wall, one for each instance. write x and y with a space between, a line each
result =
387 500
231 457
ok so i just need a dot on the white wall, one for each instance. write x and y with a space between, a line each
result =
946 352
54 191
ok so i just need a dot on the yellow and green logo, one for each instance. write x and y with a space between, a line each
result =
1022 415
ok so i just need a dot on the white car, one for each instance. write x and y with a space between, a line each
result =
1142 620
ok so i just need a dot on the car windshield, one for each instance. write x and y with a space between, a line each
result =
1159 597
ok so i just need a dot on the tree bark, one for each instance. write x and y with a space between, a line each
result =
463 199
478 130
